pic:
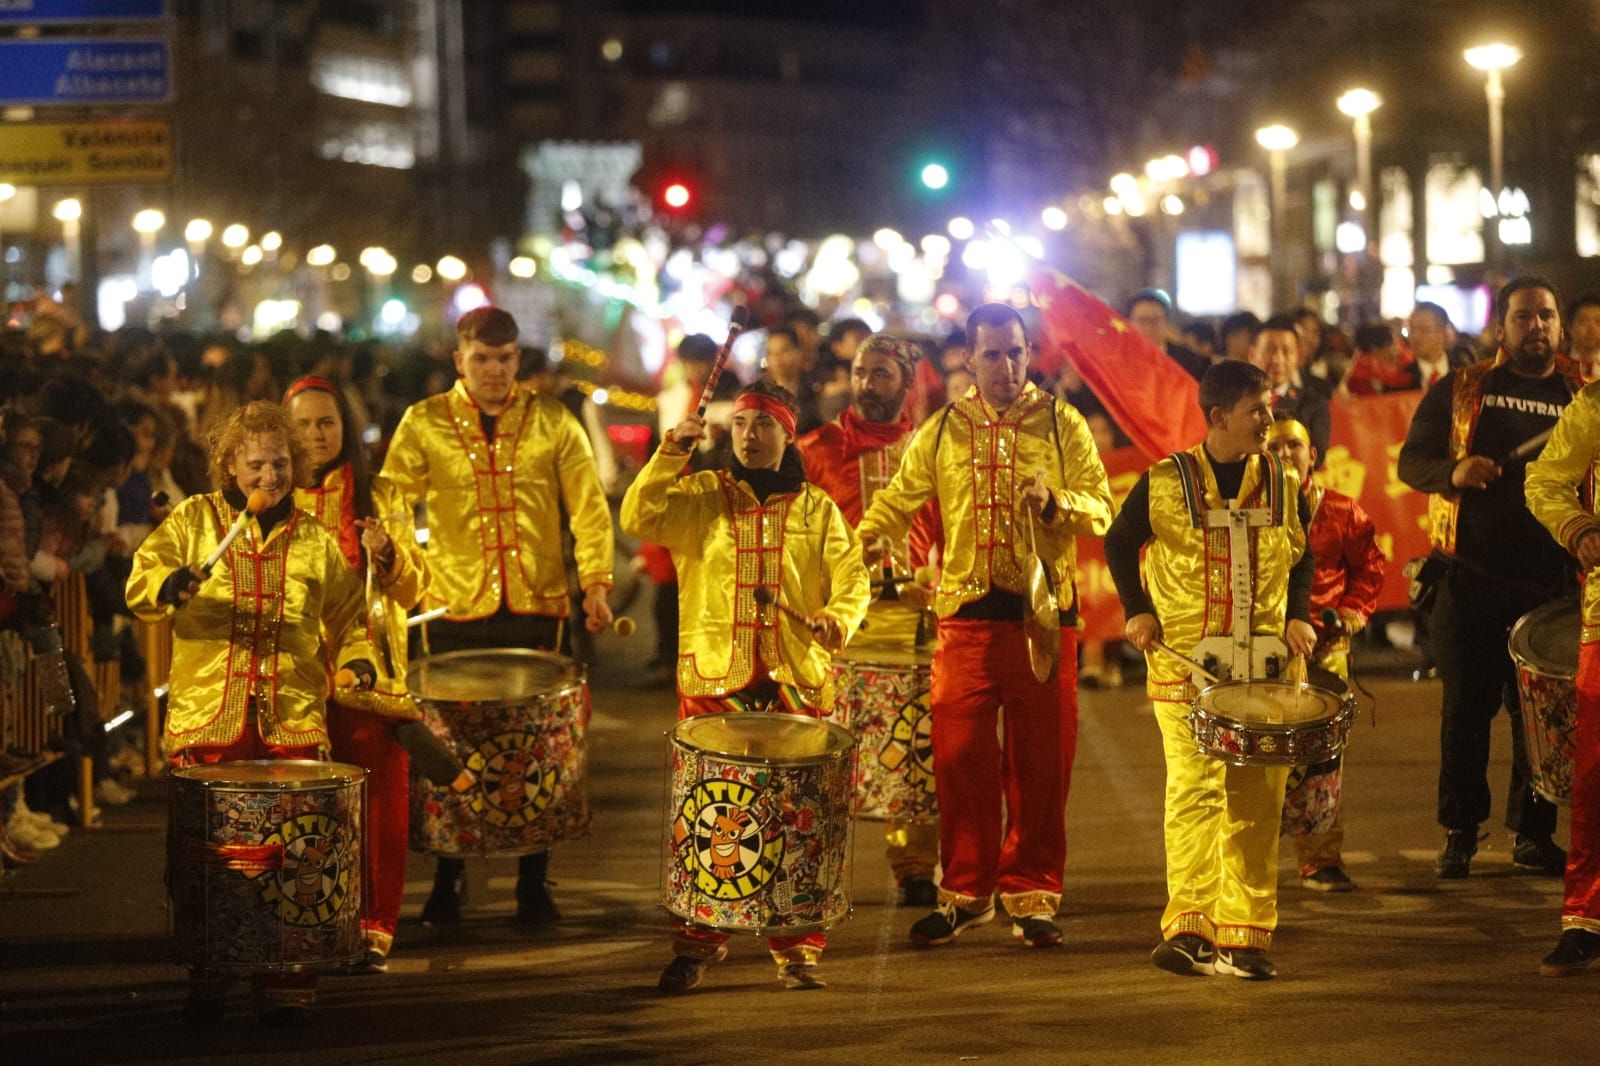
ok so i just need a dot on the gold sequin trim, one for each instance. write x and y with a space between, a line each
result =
1190 922
1244 936
1031 904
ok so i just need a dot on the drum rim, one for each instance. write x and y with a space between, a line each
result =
1342 700
336 774
1521 656
740 759
574 683
1341 723
923 658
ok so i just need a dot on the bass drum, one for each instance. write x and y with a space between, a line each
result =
1544 647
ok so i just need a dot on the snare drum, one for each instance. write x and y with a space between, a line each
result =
1544 647
518 721
264 865
882 695
1261 722
758 823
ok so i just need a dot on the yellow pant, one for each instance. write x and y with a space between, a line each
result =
913 848
1221 827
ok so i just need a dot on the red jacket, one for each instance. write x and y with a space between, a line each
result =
832 454
1349 573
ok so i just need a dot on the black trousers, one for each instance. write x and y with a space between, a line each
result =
1471 622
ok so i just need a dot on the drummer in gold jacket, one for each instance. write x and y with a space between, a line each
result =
1221 821
497 467
1017 478
253 636
771 583
1560 491
362 512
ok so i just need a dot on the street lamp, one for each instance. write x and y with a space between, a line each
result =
1359 104
236 236
1277 139
7 191
1492 59
450 268
69 213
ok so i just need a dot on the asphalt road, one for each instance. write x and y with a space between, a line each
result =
1407 969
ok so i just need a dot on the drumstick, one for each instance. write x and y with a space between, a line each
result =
1528 447
1176 654
259 501
426 616
767 598
741 316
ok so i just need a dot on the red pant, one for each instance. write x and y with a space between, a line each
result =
697 941
978 667
1581 907
367 740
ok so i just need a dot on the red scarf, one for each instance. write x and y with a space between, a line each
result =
861 435
347 533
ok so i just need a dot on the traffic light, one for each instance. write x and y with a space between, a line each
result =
935 175
676 196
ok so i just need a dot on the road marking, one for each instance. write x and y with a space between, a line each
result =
880 950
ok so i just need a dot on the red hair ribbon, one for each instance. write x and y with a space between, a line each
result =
760 401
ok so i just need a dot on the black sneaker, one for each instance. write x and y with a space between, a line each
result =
1252 964
1460 845
919 892
684 972
535 907
800 976
1539 854
947 923
1188 954
449 885
1036 932
1328 879
1575 952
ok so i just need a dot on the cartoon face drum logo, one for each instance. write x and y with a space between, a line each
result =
909 748
513 788
314 881
724 842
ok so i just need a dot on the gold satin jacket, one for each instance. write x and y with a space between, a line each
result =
725 545
1187 566
494 508
1560 485
264 625
974 460
401 591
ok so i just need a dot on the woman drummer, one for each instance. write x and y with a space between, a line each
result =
360 510
251 636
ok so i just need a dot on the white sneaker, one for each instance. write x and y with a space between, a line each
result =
113 794
43 821
31 838
94 811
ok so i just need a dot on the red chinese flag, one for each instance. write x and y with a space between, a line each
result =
1152 398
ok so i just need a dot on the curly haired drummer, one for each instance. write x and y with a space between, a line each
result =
253 636
771 584
1017 479
1344 593
497 466
850 459
1221 519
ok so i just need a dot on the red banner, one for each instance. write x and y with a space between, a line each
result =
1362 462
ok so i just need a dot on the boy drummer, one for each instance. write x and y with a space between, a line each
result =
1221 518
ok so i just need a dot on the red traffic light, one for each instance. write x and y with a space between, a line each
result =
676 196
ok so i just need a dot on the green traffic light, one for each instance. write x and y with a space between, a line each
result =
935 176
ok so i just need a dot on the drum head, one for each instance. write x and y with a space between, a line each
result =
272 773
1547 637
492 675
1267 702
762 737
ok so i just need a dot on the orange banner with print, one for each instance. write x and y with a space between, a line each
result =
1362 462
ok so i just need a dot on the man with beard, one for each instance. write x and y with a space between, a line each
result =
1018 479
1498 562
753 526
850 459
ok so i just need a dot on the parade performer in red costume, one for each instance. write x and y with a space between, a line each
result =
851 458
1344 593
737 653
1016 474
375 530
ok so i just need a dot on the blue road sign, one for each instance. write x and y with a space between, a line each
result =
84 11
85 72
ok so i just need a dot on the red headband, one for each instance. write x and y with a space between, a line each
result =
309 383
760 401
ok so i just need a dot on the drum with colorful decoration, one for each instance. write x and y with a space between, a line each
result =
264 865
1544 647
882 694
758 823
518 721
